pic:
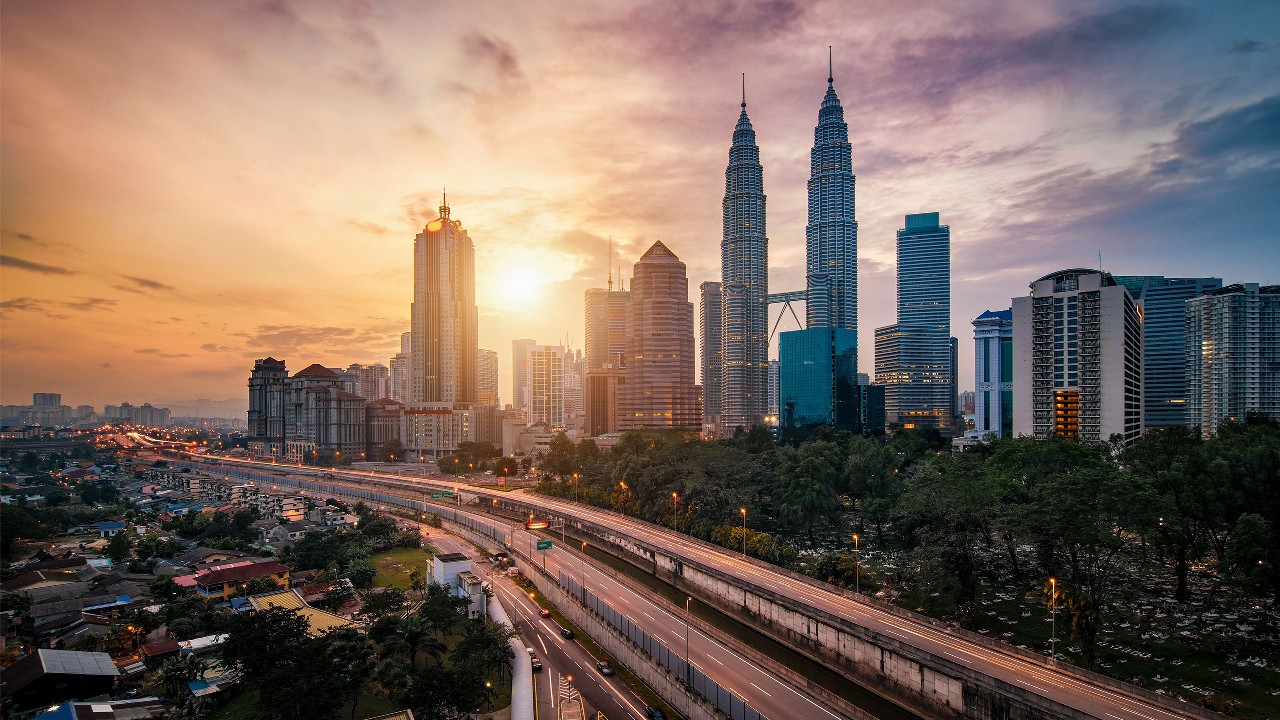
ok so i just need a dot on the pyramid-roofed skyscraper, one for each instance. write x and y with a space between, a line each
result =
831 237
744 278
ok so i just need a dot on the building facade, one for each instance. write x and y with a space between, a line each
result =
817 379
602 396
1077 370
1162 302
487 377
445 321
1232 355
993 373
544 379
831 235
711 357
659 389
605 322
913 356
744 285
520 371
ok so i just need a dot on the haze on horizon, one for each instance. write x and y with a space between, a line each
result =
189 186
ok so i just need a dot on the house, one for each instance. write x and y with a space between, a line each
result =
291 531
109 528
202 558
223 584
46 677
319 621
153 654
454 570
135 709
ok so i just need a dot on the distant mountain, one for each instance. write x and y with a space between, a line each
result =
204 407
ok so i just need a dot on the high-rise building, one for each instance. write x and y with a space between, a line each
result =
445 324
1232 355
400 369
817 379
659 389
46 401
487 377
1162 302
266 406
602 405
831 236
606 325
913 357
374 381
543 391
709 329
744 284
1077 370
774 389
520 371
575 397
993 373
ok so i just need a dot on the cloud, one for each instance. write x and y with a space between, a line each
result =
1247 47
214 347
148 284
490 51
370 227
156 352
371 341
49 308
1252 131
19 263
89 303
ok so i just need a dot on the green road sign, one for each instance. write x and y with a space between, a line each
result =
544 544
447 493
436 496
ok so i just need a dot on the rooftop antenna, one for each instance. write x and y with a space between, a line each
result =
744 91
831 76
609 263
1099 261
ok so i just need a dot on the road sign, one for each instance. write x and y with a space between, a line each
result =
447 493
544 544
436 496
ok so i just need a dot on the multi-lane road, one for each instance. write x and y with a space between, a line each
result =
1058 683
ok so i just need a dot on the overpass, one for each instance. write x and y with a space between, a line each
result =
933 668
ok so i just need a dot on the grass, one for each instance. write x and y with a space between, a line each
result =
245 707
394 566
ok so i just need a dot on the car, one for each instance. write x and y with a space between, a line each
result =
604 667
653 713
530 651
544 612
566 633
536 664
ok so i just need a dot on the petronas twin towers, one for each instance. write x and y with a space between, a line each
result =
831 246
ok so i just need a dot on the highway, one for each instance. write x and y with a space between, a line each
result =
1059 684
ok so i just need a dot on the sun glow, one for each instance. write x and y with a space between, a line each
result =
515 288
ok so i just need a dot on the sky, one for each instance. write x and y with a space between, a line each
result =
186 186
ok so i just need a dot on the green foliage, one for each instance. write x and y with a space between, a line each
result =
119 547
18 523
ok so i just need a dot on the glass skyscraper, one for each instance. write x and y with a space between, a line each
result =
993 373
1163 302
744 279
831 236
1232 355
817 382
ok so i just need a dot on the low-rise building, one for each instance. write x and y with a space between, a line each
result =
223 584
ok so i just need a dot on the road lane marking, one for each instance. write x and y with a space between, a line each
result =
766 692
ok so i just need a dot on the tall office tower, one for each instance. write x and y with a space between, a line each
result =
374 382
1162 302
658 389
831 236
606 325
574 387
543 391
993 373
744 284
913 357
487 377
1232 355
400 368
773 390
1077 369
266 407
445 324
711 360
520 371
602 399
46 401
953 373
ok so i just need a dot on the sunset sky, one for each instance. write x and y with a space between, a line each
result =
187 186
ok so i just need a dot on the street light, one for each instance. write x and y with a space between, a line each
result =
673 504
744 530
857 567
1053 618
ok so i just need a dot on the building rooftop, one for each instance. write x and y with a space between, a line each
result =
240 573
451 557
315 370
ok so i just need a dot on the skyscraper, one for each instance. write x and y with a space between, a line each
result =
520 371
400 368
544 378
1232 355
817 381
993 373
445 324
709 327
487 377
744 281
658 390
606 325
831 236
1077 371
916 370
1163 304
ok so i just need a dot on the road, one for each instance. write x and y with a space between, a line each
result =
1059 684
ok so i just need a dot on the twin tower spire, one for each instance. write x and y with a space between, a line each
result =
741 396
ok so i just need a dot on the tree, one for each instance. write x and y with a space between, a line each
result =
29 463
350 655
17 523
164 588
382 603
391 451
118 547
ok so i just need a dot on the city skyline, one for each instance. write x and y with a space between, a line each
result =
256 193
